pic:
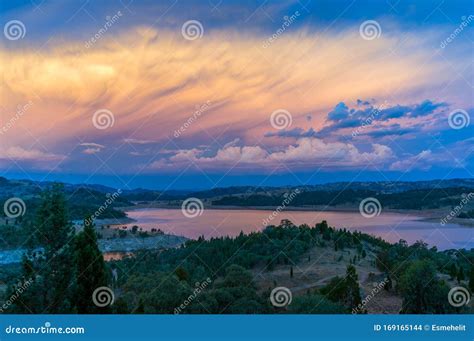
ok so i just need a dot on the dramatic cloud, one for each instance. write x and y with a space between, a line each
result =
295 132
29 158
153 82
305 152
379 118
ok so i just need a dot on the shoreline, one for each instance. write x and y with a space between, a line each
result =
426 215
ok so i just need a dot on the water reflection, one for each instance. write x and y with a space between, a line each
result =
390 226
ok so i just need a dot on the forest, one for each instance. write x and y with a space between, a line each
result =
216 275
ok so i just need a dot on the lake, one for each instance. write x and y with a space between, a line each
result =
390 226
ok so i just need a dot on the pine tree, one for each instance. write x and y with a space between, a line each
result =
388 285
452 271
90 272
352 298
51 291
460 275
471 279
182 274
53 227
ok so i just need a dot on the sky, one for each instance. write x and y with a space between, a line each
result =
202 94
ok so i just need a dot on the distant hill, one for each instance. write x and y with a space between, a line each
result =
396 194
395 186
82 200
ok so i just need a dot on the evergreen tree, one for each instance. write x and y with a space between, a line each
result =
344 290
352 298
53 227
422 292
460 275
54 233
471 279
452 271
90 270
51 291
388 285
181 273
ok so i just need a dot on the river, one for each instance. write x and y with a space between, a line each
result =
222 222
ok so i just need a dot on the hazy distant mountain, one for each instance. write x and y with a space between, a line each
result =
395 186
28 188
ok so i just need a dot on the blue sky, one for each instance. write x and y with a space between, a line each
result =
199 94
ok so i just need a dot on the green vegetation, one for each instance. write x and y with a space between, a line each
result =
81 201
467 215
90 271
218 275
344 290
412 199
70 266
422 292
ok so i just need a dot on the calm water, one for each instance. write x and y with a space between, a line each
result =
390 226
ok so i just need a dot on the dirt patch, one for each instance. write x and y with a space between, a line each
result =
318 266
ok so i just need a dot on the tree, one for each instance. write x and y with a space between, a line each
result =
55 234
51 291
453 271
352 298
90 272
344 290
460 275
54 230
315 304
471 279
388 284
421 290
181 273
237 292
335 289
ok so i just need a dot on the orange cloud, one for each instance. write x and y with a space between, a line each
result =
153 81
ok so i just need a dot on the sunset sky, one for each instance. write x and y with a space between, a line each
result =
199 94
